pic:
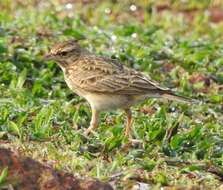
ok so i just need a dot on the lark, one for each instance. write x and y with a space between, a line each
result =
106 83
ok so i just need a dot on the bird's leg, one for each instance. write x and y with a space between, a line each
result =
129 123
94 122
128 129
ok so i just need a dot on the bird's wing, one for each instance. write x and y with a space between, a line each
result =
103 75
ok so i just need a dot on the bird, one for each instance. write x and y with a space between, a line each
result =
106 83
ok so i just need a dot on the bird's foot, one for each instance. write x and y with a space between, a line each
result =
135 141
131 143
130 138
89 131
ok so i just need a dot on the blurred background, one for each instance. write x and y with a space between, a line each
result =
139 32
177 43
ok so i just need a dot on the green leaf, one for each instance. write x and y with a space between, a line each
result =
191 168
2 49
216 98
3 175
148 165
14 128
176 141
74 33
195 132
161 178
21 79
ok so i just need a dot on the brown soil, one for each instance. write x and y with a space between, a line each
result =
24 173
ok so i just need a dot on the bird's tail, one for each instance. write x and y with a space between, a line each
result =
179 98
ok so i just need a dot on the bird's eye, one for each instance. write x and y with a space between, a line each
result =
63 53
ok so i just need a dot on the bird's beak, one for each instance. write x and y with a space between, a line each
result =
48 57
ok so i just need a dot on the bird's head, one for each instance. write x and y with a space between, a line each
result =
65 53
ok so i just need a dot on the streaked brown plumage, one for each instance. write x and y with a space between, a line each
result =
105 83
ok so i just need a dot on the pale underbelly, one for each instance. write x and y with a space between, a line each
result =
105 102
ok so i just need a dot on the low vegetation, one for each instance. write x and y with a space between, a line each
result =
177 43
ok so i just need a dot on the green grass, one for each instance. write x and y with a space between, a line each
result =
41 117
